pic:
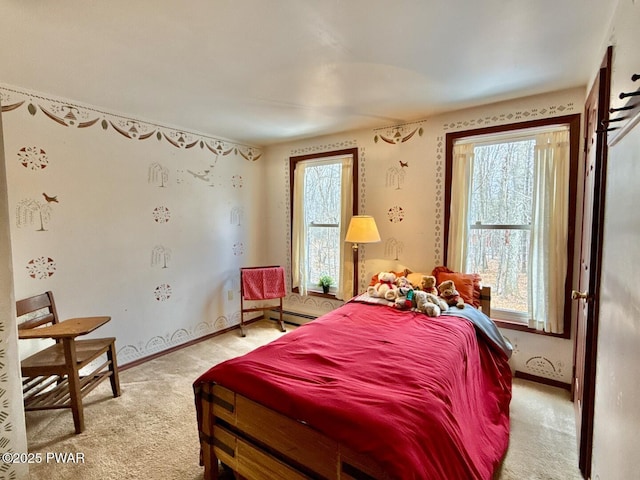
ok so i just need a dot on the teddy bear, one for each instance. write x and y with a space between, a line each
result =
385 288
449 294
428 284
429 304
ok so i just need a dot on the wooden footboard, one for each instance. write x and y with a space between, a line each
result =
258 443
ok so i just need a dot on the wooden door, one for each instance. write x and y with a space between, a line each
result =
595 156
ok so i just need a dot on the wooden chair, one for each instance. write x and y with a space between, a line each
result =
51 377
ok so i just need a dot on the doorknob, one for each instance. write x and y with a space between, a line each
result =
575 295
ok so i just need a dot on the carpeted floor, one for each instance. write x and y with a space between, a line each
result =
150 431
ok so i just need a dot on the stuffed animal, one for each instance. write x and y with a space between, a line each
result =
449 294
403 283
405 299
385 288
428 284
429 304
405 289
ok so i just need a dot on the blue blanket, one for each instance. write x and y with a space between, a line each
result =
484 325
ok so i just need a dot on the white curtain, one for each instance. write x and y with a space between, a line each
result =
549 232
345 282
460 192
299 232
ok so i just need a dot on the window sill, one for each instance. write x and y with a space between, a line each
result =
316 293
510 325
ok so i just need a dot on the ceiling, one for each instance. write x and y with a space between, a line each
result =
267 71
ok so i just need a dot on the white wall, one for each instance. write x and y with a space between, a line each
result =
13 438
407 203
103 247
617 410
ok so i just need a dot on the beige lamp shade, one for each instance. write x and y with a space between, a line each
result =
362 229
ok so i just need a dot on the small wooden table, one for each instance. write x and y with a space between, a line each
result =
70 328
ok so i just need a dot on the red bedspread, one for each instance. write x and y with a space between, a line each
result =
424 396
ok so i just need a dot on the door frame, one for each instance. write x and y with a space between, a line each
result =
585 438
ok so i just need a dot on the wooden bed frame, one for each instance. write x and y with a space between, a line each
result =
258 443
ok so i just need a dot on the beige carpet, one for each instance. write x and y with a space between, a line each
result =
150 431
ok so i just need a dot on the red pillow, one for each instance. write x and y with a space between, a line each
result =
467 284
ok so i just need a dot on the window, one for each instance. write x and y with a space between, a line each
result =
509 216
323 200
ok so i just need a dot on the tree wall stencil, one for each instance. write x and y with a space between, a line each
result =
158 175
395 177
160 256
32 212
237 214
393 247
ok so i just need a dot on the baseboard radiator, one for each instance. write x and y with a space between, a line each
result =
294 318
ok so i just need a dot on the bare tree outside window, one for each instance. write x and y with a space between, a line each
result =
500 209
322 203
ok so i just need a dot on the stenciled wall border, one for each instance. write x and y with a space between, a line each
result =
72 115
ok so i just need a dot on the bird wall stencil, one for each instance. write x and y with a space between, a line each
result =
202 176
50 199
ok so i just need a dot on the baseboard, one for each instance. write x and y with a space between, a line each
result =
543 380
142 360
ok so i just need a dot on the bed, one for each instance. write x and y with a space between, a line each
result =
366 391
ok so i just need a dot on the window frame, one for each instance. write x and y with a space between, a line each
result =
293 161
573 122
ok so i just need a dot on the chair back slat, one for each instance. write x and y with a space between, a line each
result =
38 310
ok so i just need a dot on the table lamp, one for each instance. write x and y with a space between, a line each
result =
362 229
